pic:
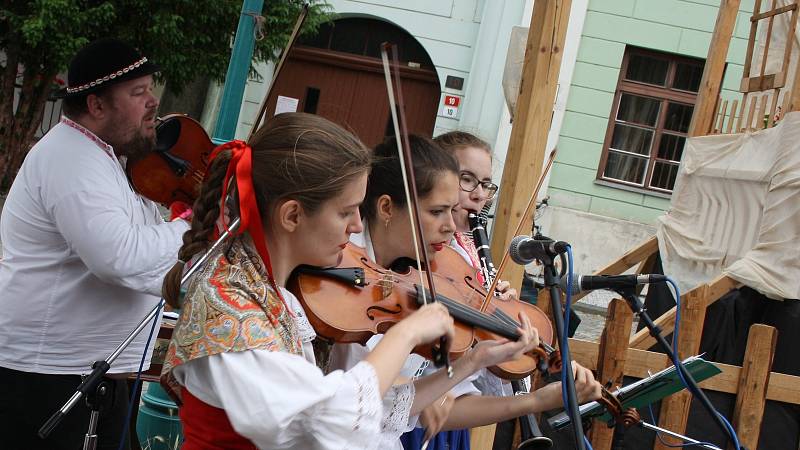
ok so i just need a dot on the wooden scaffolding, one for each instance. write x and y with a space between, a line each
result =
763 98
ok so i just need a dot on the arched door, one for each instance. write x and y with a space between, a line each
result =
338 75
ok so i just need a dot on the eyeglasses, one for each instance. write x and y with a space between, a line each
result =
469 183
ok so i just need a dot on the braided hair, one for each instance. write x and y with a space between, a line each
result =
295 156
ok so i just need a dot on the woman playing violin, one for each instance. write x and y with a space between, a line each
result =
387 240
240 360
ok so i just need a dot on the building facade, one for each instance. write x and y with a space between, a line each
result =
637 71
630 72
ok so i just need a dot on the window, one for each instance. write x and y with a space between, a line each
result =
652 111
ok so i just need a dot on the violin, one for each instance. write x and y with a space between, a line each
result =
174 170
359 298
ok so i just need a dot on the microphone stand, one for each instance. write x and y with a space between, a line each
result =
551 281
530 433
94 387
629 294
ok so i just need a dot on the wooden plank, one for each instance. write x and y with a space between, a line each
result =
762 107
675 408
722 113
787 54
717 288
750 114
645 266
482 438
794 102
641 363
760 83
785 104
532 120
770 24
543 302
611 361
711 83
741 114
773 108
753 382
773 12
626 261
734 107
751 42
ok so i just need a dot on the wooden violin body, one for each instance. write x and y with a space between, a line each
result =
359 299
175 169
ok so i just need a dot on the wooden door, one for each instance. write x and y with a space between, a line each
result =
350 90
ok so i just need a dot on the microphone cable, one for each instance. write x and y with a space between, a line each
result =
136 383
564 342
693 388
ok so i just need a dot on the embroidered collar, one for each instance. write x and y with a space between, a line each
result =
93 137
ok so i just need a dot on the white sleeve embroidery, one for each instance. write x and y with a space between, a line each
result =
396 413
278 400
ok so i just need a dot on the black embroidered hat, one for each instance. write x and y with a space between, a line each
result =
102 63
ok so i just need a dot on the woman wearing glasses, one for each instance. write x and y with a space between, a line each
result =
487 401
474 158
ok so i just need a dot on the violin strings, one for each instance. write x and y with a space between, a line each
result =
499 317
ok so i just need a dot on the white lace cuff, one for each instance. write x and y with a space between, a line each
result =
396 412
368 398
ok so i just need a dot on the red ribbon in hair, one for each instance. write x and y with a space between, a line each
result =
241 164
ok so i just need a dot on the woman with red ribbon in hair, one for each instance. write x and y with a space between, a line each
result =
240 361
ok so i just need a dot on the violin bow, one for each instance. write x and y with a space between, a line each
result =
292 39
531 202
396 107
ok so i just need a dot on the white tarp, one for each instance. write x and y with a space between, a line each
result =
736 209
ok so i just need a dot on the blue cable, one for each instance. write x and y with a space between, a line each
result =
138 378
677 362
565 341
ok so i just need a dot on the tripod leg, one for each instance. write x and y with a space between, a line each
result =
95 401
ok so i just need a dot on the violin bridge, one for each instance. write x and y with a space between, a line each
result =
387 284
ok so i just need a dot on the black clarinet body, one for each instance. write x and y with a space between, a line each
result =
531 435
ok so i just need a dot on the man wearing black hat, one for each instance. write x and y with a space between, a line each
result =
83 254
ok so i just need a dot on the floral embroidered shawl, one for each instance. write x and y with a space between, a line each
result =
229 306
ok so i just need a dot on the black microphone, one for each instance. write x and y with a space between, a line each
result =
525 249
611 282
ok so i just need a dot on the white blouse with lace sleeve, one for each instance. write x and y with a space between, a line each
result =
283 401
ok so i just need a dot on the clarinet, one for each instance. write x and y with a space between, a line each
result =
532 437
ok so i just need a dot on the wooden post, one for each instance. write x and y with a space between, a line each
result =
753 382
706 105
793 104
675 408
526 150
482 438
716 289
611 362
543 302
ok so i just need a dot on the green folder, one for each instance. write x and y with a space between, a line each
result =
644 391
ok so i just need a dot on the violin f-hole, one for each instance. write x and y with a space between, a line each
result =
383 309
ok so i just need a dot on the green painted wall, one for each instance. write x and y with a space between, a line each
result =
675 26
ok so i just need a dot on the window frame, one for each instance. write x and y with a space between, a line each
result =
665 95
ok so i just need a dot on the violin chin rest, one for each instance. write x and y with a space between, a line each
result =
167 134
